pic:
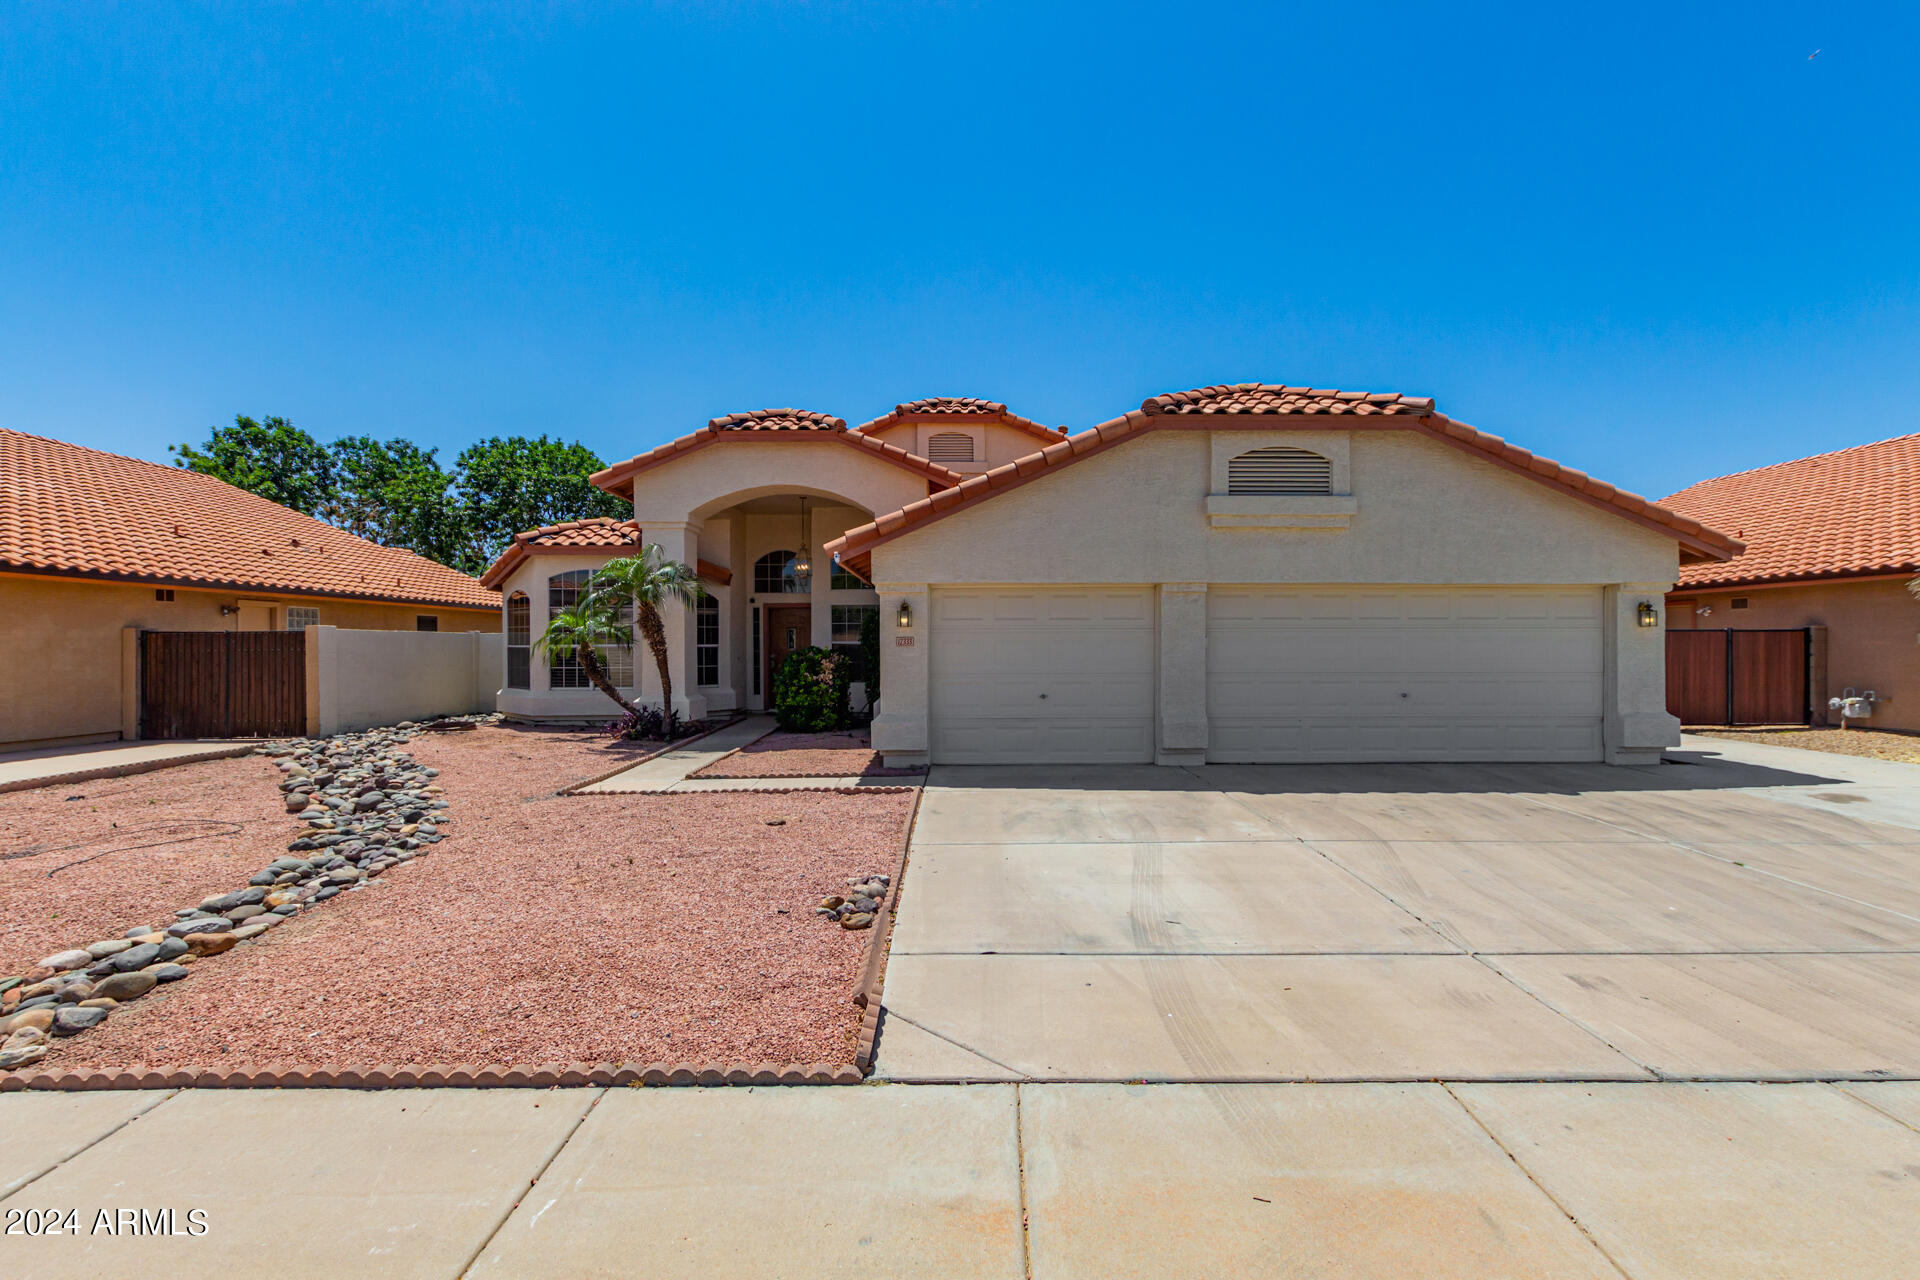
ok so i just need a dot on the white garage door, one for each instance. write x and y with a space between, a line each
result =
1434 673
1051 675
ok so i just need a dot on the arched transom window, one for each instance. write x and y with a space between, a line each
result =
773 575
1279 469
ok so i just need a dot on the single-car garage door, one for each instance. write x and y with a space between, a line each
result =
1403 673
1049 675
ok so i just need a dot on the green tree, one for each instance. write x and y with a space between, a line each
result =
274 459
509 484
395 493
649 580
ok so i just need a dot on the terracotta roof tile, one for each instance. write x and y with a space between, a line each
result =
800 423
78 512
1853 511
957 409
597 535
855 547
1268 397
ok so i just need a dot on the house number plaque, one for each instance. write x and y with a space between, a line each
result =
903 642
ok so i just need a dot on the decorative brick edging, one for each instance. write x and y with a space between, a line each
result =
556 1075
126 770
873 971
573 788
704 776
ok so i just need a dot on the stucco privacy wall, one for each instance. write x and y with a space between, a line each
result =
61 667
1423 513
359 679
1873 635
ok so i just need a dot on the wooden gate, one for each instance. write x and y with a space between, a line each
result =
223 684
1738 677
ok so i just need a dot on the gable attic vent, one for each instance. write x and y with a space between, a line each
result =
950 446
1279 469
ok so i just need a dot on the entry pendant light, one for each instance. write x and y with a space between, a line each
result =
803 563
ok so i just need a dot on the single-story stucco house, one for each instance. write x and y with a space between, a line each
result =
1832 544
1237 573
95 546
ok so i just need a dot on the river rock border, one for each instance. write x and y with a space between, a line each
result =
367 806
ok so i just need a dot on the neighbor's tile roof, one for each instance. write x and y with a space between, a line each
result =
78 512
958 409
1854 511
1264 400
1268 397
804 425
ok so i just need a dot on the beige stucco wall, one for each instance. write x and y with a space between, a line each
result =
1417 512
1873 634
357 679
708 480
1424 513
61 648
994 443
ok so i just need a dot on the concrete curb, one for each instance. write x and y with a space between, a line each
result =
554 1075
873 971
127 770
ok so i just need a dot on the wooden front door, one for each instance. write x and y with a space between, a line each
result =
789 629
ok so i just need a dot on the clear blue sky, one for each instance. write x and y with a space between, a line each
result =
1653 241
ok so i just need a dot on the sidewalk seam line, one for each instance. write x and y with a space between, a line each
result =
966 1048
1527 1173
1020 1156
144 1111
521 1197
1837 1087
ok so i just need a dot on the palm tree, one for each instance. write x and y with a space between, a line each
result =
581 629
649 580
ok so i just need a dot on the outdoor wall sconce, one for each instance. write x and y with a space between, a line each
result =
906 616
1646 615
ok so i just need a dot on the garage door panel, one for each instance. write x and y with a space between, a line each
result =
1042 675
1404 674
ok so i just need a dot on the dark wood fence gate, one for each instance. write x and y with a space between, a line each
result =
1738 677
223 684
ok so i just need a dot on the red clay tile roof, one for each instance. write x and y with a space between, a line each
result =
1851 512
778 420
855 547
75 512
618 479
958 409
1269 397
601 534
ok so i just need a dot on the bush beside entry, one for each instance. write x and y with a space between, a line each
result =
810 691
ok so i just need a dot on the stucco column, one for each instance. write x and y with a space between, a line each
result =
900 730
1635 726
1182 684
678 541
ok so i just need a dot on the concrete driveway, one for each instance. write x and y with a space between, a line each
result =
1724 918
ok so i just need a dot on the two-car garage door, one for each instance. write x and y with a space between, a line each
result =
1403 673
1066 674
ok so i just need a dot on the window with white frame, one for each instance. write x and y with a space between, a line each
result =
1279 469
564 591
519 640
773 575
706 642
847 623
299 619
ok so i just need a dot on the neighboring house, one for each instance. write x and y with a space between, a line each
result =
1246 573
1832 542
92 544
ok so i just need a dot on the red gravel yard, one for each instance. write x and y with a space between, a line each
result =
83 861
806 755
545 929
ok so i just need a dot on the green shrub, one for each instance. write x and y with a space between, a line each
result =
810 691
870 654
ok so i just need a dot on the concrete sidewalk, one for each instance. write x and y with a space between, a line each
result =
1658 1181
46 766
669 768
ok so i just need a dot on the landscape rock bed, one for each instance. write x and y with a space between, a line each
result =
627 929
856 908
367 806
